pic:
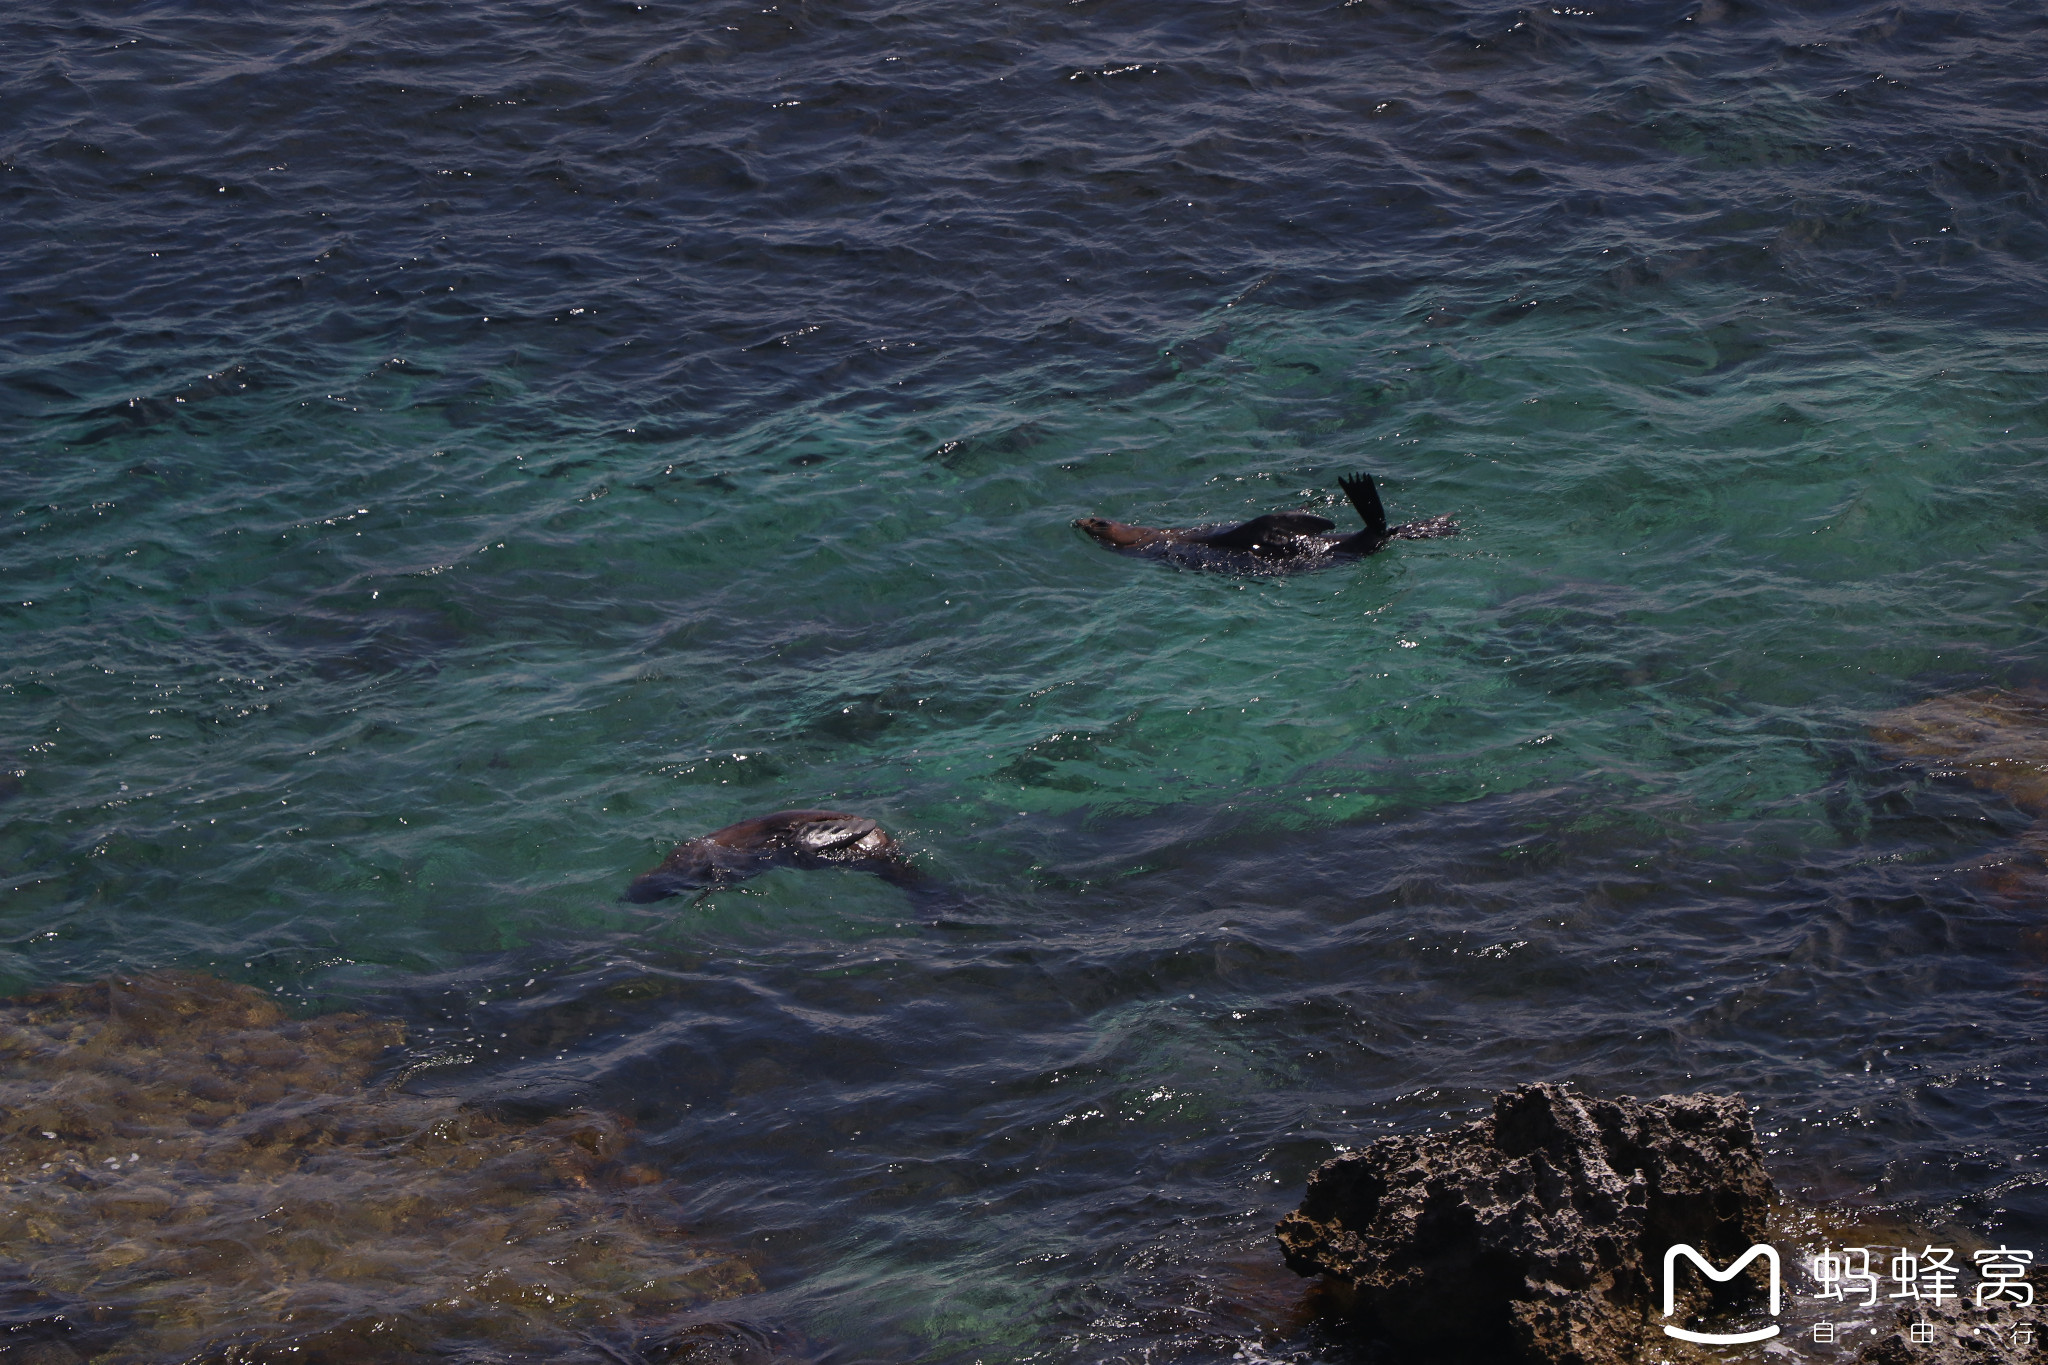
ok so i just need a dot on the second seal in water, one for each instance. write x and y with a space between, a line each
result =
788 838
1279 542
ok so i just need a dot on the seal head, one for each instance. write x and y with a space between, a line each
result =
1115 535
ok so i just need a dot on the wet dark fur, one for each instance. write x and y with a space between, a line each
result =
1279 542
788 838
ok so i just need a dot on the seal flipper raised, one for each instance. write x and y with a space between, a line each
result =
1365 496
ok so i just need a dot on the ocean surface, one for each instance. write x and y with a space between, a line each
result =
452 452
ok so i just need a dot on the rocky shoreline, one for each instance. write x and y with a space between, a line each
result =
1539 1234
186 1171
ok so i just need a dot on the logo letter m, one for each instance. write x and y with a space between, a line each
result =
1671 1256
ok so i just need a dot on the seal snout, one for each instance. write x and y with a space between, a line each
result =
1115 534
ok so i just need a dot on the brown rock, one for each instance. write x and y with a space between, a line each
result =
1992 738
1535 1234
228 1183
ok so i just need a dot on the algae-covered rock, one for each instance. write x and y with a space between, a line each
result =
193 1175
1993 738
1533 1234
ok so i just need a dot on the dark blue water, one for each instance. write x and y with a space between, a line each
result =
454 451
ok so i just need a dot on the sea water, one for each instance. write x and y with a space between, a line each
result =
454 452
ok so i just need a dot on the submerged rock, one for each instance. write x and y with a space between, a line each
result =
1995 739
1537 1233
202 1177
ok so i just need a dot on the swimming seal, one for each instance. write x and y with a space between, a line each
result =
1279 542
788 838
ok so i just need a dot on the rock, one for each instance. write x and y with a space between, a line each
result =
188 1173
1538 1233
1997 741
1993 738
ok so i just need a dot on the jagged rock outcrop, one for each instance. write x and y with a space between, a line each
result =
1536 1233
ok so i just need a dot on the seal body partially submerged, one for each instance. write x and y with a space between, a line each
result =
1279 542
788 838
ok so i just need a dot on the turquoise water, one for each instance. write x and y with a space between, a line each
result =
453 457
408 698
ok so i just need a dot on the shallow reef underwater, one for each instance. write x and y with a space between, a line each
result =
188 1173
